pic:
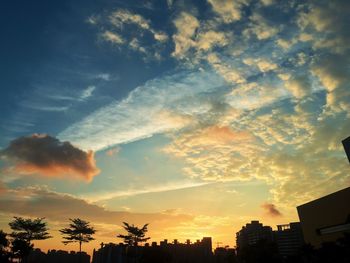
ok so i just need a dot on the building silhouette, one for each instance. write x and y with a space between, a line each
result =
289 239
326 219
57 256
346 144
253 232
225 255
165 252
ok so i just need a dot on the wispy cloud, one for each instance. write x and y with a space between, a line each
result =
104 196
87 92
122 25
152 108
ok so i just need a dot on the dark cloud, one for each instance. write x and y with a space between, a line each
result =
48 156
271 210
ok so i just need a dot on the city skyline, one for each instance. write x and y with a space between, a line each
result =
193 116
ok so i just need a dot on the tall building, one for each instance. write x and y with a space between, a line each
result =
327 218
252 232
289 238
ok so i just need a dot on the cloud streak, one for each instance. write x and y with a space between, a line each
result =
155 107
41 202
97 197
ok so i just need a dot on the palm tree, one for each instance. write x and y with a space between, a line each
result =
25 231
78 231
135 235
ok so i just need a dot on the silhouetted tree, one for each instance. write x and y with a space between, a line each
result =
135 235
78 231
4 243
24 232
21 249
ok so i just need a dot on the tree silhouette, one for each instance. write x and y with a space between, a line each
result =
135 235
78 231
21 249
24 232
4 243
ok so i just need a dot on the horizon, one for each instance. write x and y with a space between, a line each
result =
193 116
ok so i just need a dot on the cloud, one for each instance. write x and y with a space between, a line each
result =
267 2
213 153
254 96
270 100
263 65
41 202
260 27
2 188
161 105
229 11
113 151
320 17
47 156
228 72
287 44
104 76
103 196
271 210
131 31
122 17
299 86
112 37
206 40
87 92
196 42
186 25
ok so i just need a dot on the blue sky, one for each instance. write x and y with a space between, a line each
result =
208 113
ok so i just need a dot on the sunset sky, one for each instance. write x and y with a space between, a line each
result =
193 116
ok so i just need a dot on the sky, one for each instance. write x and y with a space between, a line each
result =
193 116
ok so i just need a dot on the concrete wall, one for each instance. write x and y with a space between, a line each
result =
330 210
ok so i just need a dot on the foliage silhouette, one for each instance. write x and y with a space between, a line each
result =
24 232
4 243
3 240
28 229
21 249
78 231
135 235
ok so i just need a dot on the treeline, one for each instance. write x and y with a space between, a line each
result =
19 243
